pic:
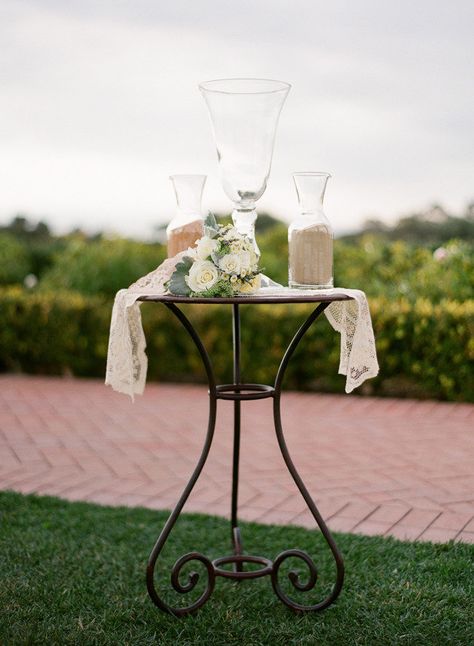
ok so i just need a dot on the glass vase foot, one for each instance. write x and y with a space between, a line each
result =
294 285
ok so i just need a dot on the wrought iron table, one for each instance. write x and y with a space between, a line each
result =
238 392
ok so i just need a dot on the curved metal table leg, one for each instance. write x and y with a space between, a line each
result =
192 556
313 575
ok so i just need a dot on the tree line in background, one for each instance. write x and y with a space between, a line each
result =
418 273
429 254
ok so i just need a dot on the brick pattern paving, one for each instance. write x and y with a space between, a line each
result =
374 466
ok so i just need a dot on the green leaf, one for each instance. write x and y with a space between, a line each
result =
221 289
177 284
221 250
184 265
211 228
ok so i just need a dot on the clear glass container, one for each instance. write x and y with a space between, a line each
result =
310 236
187 226
244 116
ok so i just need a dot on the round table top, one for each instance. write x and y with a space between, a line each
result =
285 297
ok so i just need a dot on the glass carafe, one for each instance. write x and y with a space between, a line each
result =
187 226
244 115
310 236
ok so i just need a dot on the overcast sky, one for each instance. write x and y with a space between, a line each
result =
99 104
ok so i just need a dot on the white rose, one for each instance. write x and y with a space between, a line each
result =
230 263
202 275
204 247
236 246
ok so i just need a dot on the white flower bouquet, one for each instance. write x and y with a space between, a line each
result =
223 263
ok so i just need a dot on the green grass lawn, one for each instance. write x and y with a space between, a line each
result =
73 573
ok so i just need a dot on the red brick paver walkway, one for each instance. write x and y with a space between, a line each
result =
374 466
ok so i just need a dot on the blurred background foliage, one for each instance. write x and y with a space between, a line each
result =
101 267
56 294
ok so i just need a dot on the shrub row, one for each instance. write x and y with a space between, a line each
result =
424 350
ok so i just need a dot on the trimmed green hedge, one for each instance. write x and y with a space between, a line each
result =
424 350
101 267
44 333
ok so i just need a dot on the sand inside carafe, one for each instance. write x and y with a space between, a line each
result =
311 257
181 237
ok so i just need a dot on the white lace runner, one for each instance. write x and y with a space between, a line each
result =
127 361
358 356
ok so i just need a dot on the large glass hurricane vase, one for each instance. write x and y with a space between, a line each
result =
244 115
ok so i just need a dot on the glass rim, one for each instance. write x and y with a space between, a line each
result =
206 86
312 174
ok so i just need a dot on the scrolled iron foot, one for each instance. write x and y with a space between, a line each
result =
184 588
294 577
